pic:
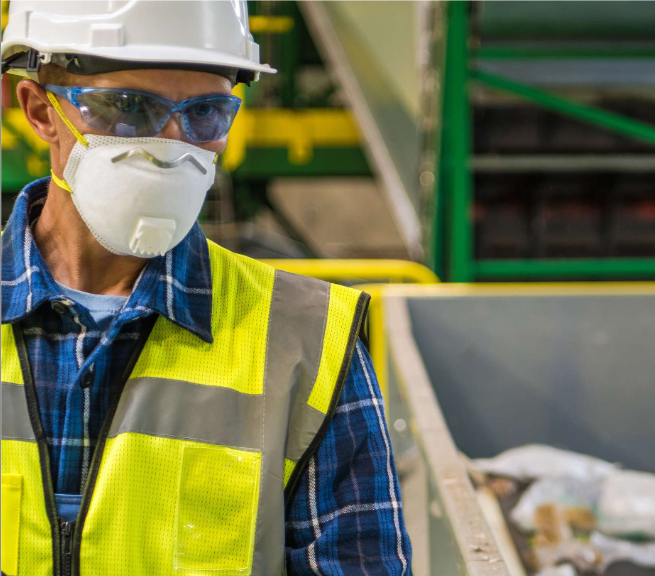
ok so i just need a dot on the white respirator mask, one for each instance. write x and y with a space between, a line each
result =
137 196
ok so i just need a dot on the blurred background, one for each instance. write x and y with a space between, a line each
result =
486 140
488 170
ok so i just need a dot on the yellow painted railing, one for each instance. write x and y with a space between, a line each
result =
391 271
300 131
364 273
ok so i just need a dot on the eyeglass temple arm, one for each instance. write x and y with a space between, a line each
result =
62 91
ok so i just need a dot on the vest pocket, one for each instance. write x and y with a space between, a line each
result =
12 490
217 509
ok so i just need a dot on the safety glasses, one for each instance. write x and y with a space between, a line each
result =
133 113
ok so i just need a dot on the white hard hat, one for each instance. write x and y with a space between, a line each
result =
169 33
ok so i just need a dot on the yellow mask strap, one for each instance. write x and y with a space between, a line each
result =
79 137
59 182
215 159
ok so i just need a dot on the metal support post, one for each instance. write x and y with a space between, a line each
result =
456 146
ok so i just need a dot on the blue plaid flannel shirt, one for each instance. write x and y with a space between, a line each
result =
345 517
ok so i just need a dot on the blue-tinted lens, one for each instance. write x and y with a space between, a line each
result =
210 118
132 113
123 113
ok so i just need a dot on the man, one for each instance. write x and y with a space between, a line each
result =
170 407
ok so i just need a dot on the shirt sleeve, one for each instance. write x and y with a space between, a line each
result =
346 517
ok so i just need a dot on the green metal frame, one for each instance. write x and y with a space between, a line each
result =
582 268
454 220
590 114
264 163
456 185
562 53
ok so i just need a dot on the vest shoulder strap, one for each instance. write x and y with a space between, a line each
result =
313 329
312 332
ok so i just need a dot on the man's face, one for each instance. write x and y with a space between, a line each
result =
175 85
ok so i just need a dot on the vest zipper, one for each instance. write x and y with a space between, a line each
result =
66 536
66 530
100 446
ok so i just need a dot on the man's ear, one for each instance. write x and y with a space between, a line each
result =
37 109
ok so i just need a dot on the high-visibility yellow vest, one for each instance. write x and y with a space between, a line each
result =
202 443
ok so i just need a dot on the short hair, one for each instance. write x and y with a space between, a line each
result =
53 74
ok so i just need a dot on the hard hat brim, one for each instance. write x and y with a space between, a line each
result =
159 54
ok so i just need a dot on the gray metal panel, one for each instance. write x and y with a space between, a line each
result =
626 20
574 72
355 37
459 539
571 371
398 417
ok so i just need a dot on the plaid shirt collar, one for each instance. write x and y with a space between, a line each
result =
176 286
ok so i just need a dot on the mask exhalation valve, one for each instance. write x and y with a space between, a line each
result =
152 236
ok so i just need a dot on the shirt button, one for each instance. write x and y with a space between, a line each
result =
87 380
59 308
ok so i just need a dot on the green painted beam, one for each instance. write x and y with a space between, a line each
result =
563 53
615 122
456 144
264 163
574 268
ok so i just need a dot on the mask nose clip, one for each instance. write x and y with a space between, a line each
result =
152 236
187 157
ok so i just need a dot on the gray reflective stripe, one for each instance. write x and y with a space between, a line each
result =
186 411
295 342
300 405
307 424
15 417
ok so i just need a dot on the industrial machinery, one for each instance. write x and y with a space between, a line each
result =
488 141
521 135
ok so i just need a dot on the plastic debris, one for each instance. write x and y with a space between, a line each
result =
555 542
614 550
562 570
576 512
577 498
503 487
627 504
537 461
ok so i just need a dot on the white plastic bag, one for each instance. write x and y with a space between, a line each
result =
627 504
563 570
536 461
613 550
566 492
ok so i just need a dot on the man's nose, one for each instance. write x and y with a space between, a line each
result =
173 129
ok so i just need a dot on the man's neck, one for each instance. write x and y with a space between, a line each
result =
74 257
